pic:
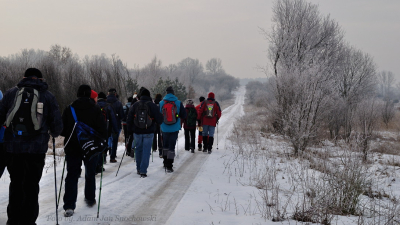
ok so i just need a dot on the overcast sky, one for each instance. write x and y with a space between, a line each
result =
138 30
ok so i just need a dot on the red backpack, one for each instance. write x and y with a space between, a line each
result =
209 112
169 111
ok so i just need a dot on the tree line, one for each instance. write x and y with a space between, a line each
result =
64 71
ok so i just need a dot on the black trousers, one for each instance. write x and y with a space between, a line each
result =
74 164
190 138
25 174
2 159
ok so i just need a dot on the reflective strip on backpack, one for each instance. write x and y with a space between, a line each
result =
17 103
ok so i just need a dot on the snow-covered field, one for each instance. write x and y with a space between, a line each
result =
250 179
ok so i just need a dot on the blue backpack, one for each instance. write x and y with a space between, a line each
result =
90 140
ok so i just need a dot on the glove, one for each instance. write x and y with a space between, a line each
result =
200 128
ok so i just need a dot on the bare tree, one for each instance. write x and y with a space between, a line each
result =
304 49
214 65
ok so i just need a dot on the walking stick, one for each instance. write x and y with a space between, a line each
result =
62 178
119 163
55 177
101 182
217 136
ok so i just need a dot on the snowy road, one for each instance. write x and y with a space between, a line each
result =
127 198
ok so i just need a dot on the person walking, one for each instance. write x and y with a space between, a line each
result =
173 111
119 112
27 134
142 119
200 137
2 150
90 114
189 125
111 124
157 133
126 108
209 113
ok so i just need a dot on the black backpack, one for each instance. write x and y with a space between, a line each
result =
25 118
192 117
142 117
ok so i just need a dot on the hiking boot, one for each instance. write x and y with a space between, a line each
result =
137 172
205 144
90 203
186 149
98 169
192 150
169 170
143 175
209 151
161 156
113 160
210 143
200 147
68 212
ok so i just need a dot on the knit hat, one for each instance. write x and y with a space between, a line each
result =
145 92
170 90
102 95
84 91
189 102
211 95
93 94
112 91
201 98
33 72
158 96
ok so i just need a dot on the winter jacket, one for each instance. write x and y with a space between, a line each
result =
1 95
205 120
197 109
51 121
185 125
86 112
155 115
181 114
112 123
126 108
117 105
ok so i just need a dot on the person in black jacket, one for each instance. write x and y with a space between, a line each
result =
90 114
143 136
26 154
157 133
119 112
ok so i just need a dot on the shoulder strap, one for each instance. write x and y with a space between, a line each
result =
73 113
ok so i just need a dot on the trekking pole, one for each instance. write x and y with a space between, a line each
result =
119 163
55 177
101 182
217 136
62 178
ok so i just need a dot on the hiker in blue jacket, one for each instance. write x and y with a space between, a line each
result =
26 148
170 130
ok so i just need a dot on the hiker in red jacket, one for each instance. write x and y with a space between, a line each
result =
209 114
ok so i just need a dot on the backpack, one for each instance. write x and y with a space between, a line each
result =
25 117
142 117
104 111
169 111
209 112
89 139
191 118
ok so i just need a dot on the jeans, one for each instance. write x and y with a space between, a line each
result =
208 131
143 144
114 144
74 164
25 173
190 138
169 142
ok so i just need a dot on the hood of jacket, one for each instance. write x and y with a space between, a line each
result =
170 97
112 98
37 84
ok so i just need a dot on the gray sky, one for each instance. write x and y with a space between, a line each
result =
138 30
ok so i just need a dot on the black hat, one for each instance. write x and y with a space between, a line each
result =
201 98
84 91
144 92
102 95
33 72
170 90
112 91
